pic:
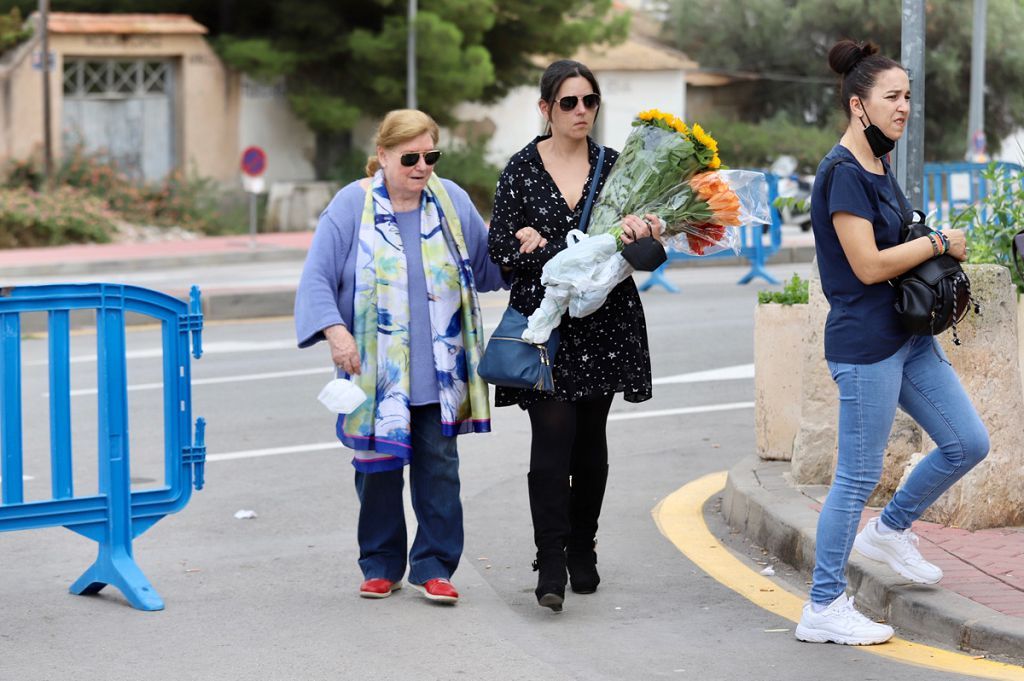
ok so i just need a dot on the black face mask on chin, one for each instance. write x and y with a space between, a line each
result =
879 143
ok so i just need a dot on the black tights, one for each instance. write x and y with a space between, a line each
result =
568 471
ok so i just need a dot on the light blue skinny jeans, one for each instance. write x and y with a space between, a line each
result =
919 379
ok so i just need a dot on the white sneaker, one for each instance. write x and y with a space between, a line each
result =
840 623
898 550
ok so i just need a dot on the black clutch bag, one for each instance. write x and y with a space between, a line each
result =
646 254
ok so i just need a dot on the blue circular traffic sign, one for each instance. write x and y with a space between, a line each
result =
254 161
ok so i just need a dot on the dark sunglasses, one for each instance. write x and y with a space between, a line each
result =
569 102
413 157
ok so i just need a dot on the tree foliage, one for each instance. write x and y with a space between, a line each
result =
788 41
346 57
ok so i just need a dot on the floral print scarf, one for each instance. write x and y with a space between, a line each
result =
379 429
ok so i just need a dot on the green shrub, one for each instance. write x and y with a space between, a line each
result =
757 145
181 199
60 216
466 165
992 223
13 29
794 292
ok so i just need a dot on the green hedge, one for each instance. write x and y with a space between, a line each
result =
757 145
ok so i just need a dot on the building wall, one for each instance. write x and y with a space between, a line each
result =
267 120
516 118
21 103
207 107
626 93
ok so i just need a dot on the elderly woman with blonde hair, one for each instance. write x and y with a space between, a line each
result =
390 282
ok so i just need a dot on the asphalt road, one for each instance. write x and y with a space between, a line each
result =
274 597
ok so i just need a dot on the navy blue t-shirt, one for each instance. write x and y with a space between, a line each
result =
862 326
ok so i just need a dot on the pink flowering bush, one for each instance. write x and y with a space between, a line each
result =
59 216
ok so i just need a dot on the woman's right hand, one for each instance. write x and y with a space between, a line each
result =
957 243
344 352
530 240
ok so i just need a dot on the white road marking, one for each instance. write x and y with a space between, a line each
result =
321 446
274 451
681 411
214 348
738 372
219 379
733 373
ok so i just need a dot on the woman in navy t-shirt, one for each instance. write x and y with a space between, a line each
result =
875 363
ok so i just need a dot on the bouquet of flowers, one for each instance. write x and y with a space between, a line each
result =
665 168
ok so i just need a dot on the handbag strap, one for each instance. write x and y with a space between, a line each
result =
905 209
585 217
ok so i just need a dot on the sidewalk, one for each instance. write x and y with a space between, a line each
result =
978 606
239 276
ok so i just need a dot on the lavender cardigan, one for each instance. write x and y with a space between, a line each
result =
326 293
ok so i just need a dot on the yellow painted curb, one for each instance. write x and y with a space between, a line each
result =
680 518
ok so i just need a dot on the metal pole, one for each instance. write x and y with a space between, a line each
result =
410 84
252 219
976 110
910 148
44 14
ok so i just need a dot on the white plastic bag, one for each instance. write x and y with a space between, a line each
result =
341 396
590 295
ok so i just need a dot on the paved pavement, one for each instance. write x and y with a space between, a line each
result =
978 606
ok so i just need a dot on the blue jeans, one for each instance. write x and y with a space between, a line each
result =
434 483
920 379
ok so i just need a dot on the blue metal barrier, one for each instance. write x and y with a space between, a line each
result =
757 244
951 187
116 515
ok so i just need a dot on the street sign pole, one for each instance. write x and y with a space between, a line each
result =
976 109
410 94
252 219
44 33
910 148
254 164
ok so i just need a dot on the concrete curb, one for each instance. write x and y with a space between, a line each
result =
793 254
105 265
759 502
218 305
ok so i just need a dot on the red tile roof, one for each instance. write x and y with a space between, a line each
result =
81 22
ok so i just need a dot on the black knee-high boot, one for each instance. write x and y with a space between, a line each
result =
549 507
586 498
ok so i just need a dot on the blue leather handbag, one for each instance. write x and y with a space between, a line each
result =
513 362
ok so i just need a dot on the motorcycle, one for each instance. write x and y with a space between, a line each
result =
795 187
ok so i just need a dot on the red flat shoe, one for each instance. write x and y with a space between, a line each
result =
378 587
440 590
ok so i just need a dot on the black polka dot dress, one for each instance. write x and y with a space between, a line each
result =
603 353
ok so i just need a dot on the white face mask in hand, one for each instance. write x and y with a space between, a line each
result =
342 396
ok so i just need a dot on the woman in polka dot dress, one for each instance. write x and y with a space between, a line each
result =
539 198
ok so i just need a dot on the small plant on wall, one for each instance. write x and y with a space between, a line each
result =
794 292
992 223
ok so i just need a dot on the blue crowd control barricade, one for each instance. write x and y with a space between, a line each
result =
116 514
757 244
951 187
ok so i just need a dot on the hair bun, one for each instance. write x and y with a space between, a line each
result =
846 54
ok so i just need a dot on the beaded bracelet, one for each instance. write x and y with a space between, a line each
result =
935 246
942 241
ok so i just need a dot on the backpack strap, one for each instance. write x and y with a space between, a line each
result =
1018 250
585 217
